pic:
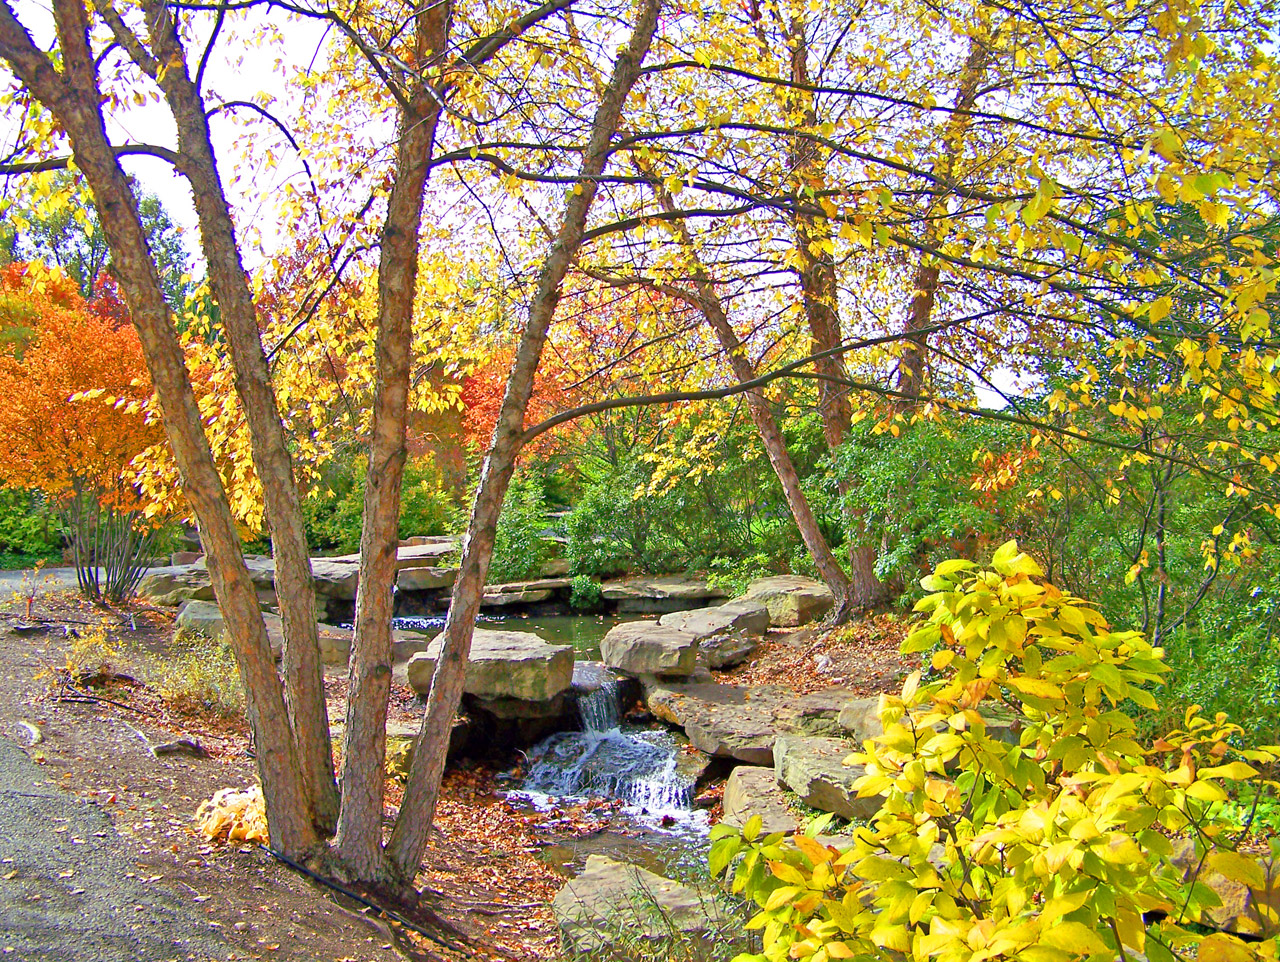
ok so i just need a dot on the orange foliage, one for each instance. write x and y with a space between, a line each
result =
483 387
47 440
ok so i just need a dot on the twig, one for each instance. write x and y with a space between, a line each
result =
82 696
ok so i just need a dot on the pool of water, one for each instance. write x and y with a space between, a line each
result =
583 632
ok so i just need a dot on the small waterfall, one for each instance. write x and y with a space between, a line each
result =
637 768
599 697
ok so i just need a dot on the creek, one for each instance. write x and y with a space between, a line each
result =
640 775
583 632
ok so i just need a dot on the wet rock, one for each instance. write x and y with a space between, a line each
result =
612 897
503 664
814 769
647 648
792 600
661 594
752 790
722 720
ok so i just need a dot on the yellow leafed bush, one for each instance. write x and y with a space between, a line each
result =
1046 838
234 815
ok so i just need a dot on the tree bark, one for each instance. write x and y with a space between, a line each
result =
409 837
74 97
295 587
775 445
359 837
913 367
820 295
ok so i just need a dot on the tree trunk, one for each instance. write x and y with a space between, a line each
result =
409 838
74 98
820 294
913 367
359 838
295 587
775 444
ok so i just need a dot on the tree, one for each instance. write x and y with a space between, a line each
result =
73 422
54 222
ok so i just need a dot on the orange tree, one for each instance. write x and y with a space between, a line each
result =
75 386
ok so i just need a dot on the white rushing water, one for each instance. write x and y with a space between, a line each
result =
607 760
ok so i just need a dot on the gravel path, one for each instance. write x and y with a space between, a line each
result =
65 890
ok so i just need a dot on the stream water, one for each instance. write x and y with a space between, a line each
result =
583 632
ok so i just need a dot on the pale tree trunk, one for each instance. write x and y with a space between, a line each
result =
775 445
359 838
913 367
409 838
815 244
73 96
295 588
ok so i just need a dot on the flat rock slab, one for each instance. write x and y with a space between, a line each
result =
503 664
792 600
739 615
425 578
659 594
814 769
73 894
611 898
722 720
408 556
754 790
647 648
824 712
173 584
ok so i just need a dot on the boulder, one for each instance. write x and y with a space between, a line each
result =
408 556
612 899
726 651
661 594
814 769
425 579
722 720
503 664
335 579
752 790
742 615
792 600
647 648
820 712
1246 910
861 718
201 618
555 568
172 585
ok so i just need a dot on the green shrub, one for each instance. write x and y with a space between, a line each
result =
31 529
735 574
519 548
585 593
334 511
1047 837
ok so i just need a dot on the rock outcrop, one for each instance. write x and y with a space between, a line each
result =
647 648
814 769
792 600
514 665
659 594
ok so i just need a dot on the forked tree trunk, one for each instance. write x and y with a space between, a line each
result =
295 588
74 97
775 445
409 838
359 837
